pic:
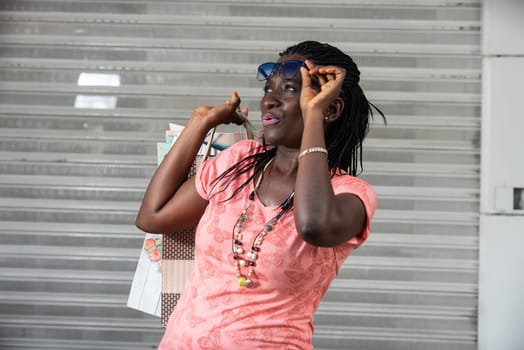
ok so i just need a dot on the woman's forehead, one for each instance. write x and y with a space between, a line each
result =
293 56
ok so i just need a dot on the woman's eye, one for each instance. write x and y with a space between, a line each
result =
289 88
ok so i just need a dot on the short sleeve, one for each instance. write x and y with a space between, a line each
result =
366 193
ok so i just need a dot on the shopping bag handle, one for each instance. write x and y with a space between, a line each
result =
208 147
250 132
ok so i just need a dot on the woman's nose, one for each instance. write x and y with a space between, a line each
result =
270 100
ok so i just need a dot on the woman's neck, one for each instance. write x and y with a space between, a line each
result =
286 162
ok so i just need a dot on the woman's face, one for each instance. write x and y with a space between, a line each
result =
280 107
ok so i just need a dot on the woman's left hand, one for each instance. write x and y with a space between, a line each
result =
330 79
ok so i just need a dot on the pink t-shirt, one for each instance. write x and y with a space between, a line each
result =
214 312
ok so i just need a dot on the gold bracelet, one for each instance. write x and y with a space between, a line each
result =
312 150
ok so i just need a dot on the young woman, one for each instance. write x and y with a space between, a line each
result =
276 219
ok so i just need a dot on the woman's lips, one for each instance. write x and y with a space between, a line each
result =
269 119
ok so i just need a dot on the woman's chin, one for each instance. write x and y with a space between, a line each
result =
272 138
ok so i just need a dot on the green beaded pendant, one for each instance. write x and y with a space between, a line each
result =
243 282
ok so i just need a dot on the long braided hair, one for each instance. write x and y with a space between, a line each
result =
344 137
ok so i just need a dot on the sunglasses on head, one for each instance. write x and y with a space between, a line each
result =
287 69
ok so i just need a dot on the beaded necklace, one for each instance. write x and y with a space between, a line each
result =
249 260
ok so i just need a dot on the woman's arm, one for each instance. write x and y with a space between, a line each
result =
171 202
321 217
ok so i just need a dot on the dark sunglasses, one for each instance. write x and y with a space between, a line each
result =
287 69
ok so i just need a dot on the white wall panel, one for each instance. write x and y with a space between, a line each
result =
503 127
501 281
503 27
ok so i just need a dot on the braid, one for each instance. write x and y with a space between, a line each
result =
344 137
255 161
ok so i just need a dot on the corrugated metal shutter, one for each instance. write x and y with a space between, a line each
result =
71 179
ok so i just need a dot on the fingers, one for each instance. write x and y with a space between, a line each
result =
233 104
306 77
326 88
238 115
326 74
234 101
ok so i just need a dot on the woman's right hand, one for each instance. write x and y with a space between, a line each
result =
220 114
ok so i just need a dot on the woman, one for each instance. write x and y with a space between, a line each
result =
277 219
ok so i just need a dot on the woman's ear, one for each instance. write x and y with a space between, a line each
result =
334 110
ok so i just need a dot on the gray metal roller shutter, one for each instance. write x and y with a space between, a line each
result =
71 179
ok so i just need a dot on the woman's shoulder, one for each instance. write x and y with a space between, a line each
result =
343 177
241 149
345 183
216 166
232 155
247 145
